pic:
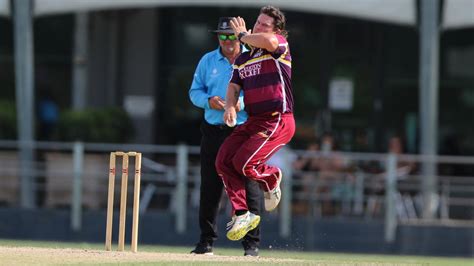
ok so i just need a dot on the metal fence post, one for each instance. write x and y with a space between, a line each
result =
79 70
24 61
76 201
181 187
287 185
429 87
390 191
358 207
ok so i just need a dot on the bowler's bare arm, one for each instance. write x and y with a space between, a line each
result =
232 102
267 41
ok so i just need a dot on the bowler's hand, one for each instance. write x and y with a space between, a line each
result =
238 25
216 102
230 115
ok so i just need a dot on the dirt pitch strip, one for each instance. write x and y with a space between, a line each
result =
58 256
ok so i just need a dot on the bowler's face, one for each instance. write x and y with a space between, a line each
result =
264 24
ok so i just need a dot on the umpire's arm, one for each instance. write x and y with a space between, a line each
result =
198 92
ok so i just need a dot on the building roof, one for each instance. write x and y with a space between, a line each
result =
456 13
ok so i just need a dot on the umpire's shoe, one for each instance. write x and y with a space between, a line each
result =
273 197
203 248
250 249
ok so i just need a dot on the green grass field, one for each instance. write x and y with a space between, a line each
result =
59 253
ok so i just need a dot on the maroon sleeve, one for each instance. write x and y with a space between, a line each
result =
235 76
235 72
282 46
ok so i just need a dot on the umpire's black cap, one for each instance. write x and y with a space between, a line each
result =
224 26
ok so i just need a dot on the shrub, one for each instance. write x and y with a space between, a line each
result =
8 127
110 124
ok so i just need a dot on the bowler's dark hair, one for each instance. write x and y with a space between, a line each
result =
278 17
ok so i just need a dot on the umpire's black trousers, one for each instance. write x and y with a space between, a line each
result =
212 187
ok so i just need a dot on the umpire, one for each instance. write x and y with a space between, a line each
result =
208 91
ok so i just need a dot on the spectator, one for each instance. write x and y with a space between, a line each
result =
48 116
306 168
403 170
395 146
308 162
334 183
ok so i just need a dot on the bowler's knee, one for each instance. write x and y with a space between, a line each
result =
220 163
238 165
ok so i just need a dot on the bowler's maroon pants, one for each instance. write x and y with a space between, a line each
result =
244 153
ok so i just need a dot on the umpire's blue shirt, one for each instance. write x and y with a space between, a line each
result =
211 78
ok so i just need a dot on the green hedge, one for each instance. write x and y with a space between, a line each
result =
8 128
111 124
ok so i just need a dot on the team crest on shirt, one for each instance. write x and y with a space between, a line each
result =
250 70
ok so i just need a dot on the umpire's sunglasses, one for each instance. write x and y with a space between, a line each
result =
224 37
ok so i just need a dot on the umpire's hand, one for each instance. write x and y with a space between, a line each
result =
216 102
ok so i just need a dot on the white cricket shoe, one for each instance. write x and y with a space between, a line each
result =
241 225
272 197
